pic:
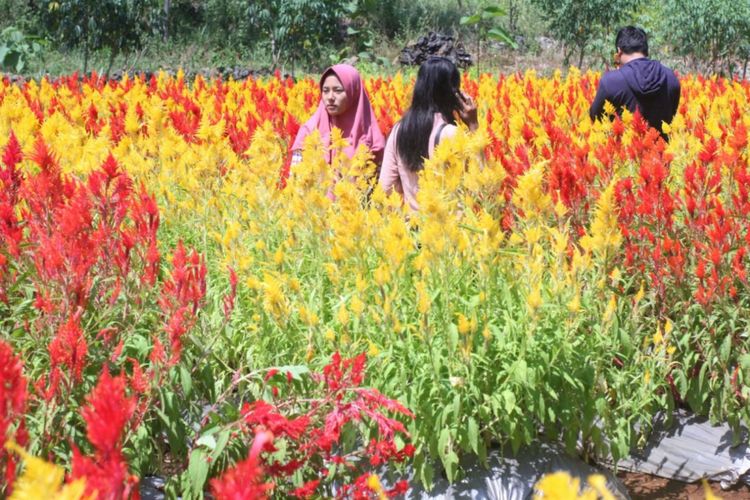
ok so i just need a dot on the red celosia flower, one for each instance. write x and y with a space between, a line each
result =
69 348
229 299
13 398
107 413
306 490
246 479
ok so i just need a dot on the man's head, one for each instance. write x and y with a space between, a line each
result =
631 40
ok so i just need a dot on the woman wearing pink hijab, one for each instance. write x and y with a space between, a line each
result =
344 104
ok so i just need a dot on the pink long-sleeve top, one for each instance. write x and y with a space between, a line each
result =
394 174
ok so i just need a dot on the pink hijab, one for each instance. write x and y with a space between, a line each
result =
358 123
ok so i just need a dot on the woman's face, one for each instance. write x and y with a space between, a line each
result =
334 97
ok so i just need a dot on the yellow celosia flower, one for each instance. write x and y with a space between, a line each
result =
530 194
382 275
574 305
557 486
533 234
464 325
373 482
42 480
709 494
615 275
423 297
604 236
658 337
562 486
342 315
274 301
611 308
372 349
668 327
534 299
560 209
486 333
357 306
639 294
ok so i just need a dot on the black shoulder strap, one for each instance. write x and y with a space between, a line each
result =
439 131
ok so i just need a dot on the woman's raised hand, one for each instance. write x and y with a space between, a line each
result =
468 110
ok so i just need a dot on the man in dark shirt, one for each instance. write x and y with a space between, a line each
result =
639 83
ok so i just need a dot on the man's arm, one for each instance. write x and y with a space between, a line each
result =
597 107
676 98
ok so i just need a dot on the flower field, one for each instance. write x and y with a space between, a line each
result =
174 302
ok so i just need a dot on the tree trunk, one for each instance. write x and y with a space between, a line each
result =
85 56
513 16
167 6
582 51
274 54
112 55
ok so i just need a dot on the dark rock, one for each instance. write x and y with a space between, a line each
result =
435 44
152 488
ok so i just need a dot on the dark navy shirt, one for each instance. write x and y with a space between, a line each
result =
641 84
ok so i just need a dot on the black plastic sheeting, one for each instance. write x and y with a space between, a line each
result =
690 449
512 477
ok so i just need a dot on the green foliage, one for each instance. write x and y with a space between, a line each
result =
576 23
485 21
716 31
116 25
294 28
18 13
16 49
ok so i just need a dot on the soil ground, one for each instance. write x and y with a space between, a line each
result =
647 487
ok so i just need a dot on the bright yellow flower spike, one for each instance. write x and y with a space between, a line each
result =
42 480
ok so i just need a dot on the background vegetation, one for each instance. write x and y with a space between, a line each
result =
56 37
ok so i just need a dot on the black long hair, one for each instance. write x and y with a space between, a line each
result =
435 91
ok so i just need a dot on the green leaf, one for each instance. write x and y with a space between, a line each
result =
295 370
473 434
442 443
221 443
494 10
501 35
468 20
450 462
208 441
745 361
510 401
519 371
198 470
13 61
452 337
726 349
186 381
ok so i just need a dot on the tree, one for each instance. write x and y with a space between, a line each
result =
117 25
716 32
577 22
295 27
485 21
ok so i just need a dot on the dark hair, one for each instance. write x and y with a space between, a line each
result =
631 39
435 91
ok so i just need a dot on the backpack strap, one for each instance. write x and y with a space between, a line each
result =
437 134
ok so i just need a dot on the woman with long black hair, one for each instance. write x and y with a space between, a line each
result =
436 101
